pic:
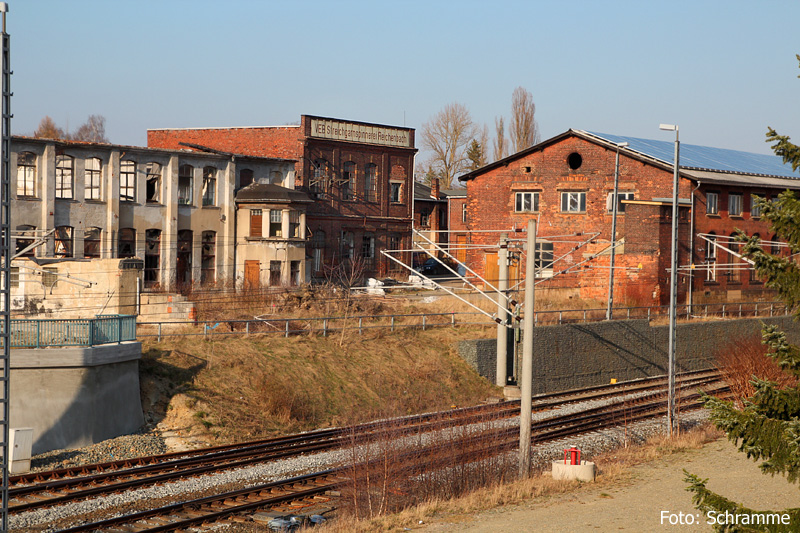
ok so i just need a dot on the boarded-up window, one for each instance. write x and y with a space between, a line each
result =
256 222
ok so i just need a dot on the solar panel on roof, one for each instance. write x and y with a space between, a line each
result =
705 157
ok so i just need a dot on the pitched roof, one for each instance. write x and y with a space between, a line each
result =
698 162
266 192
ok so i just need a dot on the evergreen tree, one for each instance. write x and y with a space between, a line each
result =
767 426
476 155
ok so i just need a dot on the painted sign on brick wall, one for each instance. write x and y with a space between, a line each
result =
347 131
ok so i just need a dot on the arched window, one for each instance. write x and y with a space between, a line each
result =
63 241
153 182
25 237
26 174
346 245
185 184
127 243
92 178
91 243
64 176
127 181
711 258
209 186
347 184
319 176
371 182
245 177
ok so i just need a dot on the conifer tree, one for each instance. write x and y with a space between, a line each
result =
767 425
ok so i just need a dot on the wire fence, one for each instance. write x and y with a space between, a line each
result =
324 326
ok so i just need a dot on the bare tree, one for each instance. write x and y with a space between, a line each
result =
48 130
446 134
500 138
524 130
94 130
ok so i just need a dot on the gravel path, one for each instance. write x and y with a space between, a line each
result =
637 503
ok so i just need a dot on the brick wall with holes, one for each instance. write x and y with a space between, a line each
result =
571 179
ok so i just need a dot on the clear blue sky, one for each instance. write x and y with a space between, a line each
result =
722 70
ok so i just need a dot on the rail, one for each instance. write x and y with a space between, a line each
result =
324 326
105 329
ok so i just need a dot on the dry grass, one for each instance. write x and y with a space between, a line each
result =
745 357
259 386
613 468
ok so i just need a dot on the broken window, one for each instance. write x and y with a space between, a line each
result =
91 173
275 222
371 183
63 241
185 178
26 174
25 238
127 181
318 249
294 273
294 224
245 177
209 186
91 243
153 182
64 176
152 254
368 250
573 202
347 242
274 273
319 177
127 243
395 189
347 183
208 259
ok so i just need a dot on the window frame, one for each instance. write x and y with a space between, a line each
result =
93 179
26 168
153 178
519 201
371 182
64 242
621 195
347 186
209 186
712 203
257 215
276 223
126 237
186 189
294 224
735 204
127 181
755 209
65 177
92 239
567 198
208 256
396 192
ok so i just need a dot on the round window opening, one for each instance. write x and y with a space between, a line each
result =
574 160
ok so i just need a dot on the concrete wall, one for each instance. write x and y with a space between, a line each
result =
74 397
580 355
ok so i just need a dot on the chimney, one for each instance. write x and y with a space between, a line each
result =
435 188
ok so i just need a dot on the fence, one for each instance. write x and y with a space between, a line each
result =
105 329
325 326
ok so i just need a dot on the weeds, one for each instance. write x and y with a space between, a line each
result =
745 357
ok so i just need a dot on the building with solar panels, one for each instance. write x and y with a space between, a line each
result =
566 183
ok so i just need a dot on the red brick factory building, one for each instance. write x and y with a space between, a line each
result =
566 184
359 175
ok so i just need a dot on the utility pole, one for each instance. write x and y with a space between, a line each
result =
5 259
610 310
526 387
502 312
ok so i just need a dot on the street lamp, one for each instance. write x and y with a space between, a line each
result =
614 233
673 284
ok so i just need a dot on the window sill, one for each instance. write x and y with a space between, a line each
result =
186 205
572 212
94 201
707 282
29 198
524 213
740 217
154 204
713 215
211 207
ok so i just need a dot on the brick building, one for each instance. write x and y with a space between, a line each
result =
358 174
566 184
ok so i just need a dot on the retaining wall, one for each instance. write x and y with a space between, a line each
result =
74 397
580 355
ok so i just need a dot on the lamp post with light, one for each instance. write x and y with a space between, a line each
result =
615 200
673 284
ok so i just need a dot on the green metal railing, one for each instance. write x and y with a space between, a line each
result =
105 329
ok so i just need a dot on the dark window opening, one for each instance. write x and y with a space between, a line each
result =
574 160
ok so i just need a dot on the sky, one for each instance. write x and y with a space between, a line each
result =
723 71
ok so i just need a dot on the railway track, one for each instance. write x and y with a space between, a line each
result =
64 485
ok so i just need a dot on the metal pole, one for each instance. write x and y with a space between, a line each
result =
673 291
526 384
609 310
5 252
502 308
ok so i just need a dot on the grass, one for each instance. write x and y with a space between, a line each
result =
614 468
257 386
